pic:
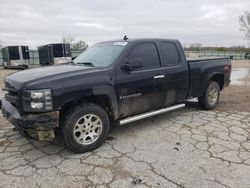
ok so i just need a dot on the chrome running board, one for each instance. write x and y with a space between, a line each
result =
149 114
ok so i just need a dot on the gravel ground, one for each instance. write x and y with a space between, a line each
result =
241 64
186 148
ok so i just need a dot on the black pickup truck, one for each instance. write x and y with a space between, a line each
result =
112 82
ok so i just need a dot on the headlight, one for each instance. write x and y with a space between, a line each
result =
36 105
37 100
36 94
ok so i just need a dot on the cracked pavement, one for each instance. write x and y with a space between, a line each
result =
184 148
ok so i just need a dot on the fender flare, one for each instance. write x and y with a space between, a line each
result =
111 94
205 81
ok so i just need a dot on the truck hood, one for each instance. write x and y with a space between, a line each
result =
17 79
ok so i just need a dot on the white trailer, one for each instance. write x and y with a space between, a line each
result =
16 57
51 54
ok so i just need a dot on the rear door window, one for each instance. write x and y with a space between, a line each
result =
170 54
147 52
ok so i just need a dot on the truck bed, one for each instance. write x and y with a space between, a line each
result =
201 69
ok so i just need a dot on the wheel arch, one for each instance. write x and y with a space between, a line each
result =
219 78
104 98
216 77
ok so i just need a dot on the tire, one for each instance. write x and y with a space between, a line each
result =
85 128
211 96
4 66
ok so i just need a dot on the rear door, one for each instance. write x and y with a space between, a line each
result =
50 55
176 72
14 53
25 51
142 89
67 50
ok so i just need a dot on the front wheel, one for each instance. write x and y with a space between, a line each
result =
85 128
211 96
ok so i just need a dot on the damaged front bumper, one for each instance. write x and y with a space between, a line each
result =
37 125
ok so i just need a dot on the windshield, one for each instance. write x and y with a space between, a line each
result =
101 55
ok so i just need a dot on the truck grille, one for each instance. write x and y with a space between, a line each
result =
11 95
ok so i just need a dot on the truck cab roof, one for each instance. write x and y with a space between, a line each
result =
141 40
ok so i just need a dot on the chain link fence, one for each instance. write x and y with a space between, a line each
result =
232 55
34 57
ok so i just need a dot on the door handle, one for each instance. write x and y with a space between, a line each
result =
159 76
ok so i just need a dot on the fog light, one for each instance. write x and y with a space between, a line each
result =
37 105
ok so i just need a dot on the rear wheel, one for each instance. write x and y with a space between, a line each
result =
85 128
211 96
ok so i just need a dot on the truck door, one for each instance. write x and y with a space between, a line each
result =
140 89
176 73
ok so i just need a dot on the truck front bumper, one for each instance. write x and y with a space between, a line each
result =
30 123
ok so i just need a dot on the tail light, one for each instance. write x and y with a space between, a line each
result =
227 68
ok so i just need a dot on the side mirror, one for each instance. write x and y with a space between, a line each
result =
132 64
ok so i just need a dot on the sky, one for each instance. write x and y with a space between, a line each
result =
35 23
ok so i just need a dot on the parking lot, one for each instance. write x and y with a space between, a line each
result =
186 148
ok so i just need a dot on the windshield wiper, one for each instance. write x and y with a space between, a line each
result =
86 63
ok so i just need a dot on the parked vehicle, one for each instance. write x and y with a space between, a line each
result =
114 81
51 54
15 56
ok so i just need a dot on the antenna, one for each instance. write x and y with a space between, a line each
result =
125 37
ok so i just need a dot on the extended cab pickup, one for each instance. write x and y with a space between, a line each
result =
115 81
